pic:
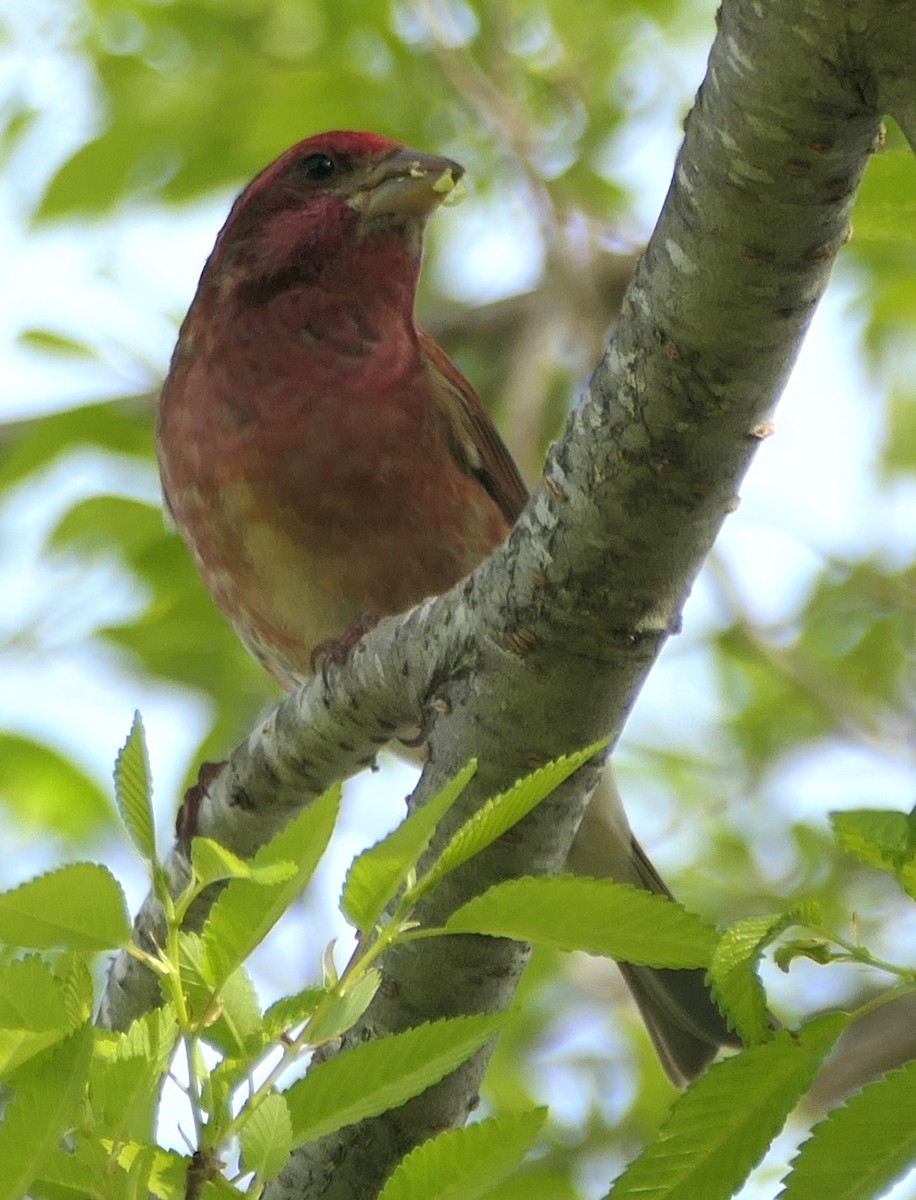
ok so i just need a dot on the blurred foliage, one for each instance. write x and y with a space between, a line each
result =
189 98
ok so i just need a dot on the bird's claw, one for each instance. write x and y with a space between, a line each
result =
336 651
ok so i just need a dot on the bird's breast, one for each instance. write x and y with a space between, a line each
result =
325 489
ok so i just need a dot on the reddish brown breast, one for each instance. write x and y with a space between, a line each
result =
314 480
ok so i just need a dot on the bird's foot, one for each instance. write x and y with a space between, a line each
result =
186 821
336 651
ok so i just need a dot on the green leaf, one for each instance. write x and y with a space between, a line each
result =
139 1174
116 426
597 916
814 949
376 1076
65 1176
543 1179
81 906
240 1026
245 911
347 1008
885 210
40 1005
134 791
379 872
861 1149
723 1124
126 1074
290 1012
505 810
212 863
160 1173
464 1164
266 1138
31 997
733 973
78 990
48 1094
877 838
17 1046
33 1012
880 838
229 1016
48 792
47 342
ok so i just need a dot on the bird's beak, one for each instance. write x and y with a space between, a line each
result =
408 184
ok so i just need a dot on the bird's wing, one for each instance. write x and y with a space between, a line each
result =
477 445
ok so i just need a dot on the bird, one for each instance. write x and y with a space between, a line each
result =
328 464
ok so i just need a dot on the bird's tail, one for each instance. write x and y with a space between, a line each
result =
685 1025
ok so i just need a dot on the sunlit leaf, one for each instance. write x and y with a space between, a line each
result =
597 916
134 790
724 1123
371 1078
80 906
464 1164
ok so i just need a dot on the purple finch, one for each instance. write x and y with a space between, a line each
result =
324 459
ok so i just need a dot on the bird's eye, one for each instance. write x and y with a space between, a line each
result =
318 167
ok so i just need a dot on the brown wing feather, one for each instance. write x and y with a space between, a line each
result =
477 445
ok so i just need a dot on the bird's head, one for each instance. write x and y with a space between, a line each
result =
332 193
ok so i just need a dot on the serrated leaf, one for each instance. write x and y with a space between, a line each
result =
125 1076
266 1138
228 1016
152 1036
63 1173
378 873
47 1096
721 1127
219 1087
197 988
72 971
31 997
348 1008
292 1011
501 812
876 837
213 863
733 973
239 1025
594 915
374 1077
814 949
80 906
541 1179
464 1164
134 791
880 838
123 1095
168 1170
861 1149
33 1012
245 912
17 1046
139 1175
